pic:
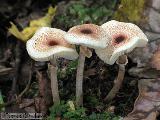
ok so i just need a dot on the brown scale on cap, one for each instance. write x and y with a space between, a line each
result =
90 30
86 31
52 42
49 40
119 40
49 43
122 32
124 38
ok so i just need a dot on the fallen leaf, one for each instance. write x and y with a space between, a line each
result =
155 60
26 103
14 31
144 72
147 105
28 32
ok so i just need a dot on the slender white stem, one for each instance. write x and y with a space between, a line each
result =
117 85
119 80
54 81
79 79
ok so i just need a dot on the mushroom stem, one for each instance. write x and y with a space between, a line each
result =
79 79
122 61
54 81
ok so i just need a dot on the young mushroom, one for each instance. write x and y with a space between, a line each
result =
124 38
85 35
48 44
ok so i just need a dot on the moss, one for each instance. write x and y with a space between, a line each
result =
130 10
64 111
83 11
1 103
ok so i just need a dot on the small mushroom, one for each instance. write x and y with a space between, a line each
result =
85 35
124 38
48 44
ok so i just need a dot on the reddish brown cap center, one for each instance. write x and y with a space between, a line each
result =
119 39
86 31
52 43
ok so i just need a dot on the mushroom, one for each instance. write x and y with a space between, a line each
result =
124 38
85 35
48 44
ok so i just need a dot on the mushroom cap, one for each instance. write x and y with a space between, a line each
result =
48 43
89 35
124 38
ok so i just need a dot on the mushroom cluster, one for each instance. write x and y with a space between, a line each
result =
111 41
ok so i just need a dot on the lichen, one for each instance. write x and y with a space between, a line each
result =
130 10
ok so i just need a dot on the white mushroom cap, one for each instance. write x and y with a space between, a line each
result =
89 35
48 43
124 38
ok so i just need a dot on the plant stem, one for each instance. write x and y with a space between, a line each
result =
79 79
54 81
119 80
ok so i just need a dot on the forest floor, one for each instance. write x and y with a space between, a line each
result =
18 71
